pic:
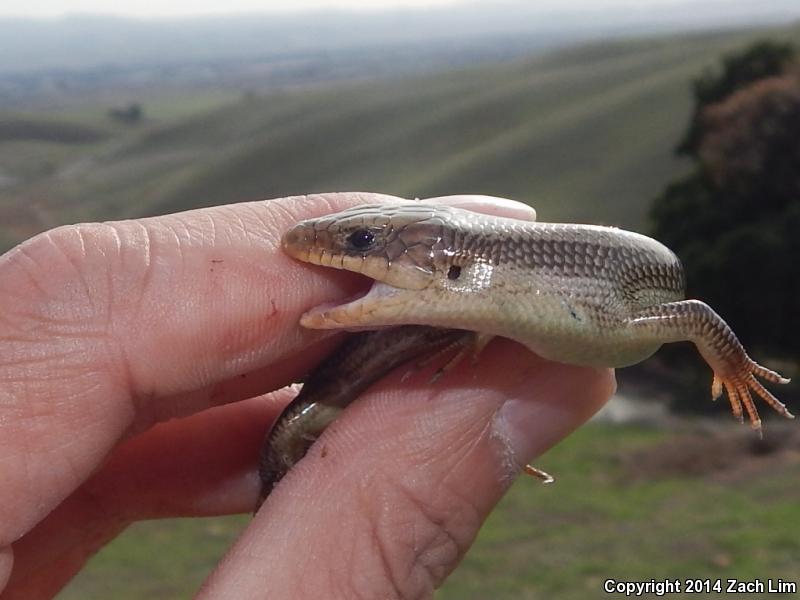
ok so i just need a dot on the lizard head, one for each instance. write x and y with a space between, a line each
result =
404 248
398 245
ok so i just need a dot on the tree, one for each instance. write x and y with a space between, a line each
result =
132 114
761 60
735 219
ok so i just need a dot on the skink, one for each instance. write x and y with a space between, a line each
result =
580 294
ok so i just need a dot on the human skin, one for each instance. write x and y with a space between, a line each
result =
142 361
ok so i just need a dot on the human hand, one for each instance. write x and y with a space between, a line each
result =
132 355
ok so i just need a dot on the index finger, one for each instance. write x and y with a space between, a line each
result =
108 328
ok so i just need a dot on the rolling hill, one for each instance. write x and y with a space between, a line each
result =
584 134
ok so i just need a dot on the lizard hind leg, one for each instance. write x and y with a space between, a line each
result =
740 386
734 371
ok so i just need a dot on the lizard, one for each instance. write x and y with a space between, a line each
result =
580 294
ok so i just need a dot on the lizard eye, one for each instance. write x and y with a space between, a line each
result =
361 239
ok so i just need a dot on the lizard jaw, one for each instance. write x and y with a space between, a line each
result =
370 311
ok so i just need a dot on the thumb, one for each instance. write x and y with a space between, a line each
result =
391 496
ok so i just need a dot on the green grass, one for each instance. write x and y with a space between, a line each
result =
600 519
37 129
565 540
157 559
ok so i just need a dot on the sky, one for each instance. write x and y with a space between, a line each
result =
172 8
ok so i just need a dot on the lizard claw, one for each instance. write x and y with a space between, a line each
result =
739 387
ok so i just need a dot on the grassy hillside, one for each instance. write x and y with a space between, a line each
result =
703 503
584 134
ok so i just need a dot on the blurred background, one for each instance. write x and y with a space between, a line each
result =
679 119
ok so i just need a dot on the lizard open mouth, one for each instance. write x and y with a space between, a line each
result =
357 313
